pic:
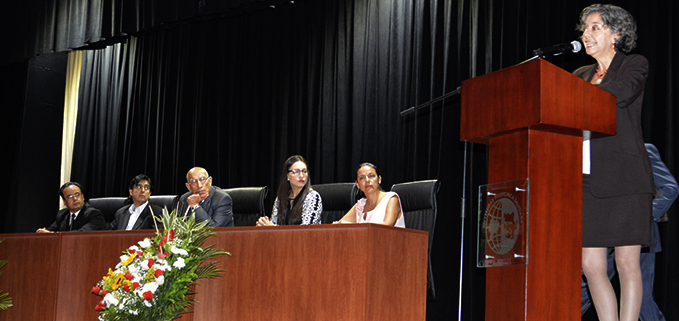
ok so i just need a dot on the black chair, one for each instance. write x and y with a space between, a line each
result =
248 204
338 198
163 201
418 201
109 205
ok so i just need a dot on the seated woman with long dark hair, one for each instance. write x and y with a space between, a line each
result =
296 202
377 206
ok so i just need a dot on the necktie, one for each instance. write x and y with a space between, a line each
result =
70 223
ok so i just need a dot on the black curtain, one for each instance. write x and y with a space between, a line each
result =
45 26
237 91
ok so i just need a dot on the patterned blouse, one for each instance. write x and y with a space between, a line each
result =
311 209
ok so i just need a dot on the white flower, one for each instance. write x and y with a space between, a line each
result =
133 268
151 286
148 303
145 243
145 265
160 280
176 250
162 265
110 299
179 263
134 248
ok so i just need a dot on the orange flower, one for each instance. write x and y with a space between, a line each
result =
129 259
118 282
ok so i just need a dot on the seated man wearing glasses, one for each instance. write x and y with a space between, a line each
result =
78 215
209 203
138 215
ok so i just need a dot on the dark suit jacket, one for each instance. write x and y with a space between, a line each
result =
144 221
667 191
217 208
89 219
619 163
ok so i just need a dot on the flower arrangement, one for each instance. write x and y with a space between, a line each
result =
5 300
152 280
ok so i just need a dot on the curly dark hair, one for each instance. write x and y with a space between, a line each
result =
618 20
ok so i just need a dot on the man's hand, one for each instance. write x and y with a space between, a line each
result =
193 200
43 230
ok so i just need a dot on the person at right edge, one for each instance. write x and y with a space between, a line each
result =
618 185
667 191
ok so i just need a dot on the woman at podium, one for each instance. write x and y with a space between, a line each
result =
618 183
296 202
377 206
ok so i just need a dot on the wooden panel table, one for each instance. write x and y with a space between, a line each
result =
322 272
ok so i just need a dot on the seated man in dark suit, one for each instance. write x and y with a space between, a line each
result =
140 214
78 215
209 203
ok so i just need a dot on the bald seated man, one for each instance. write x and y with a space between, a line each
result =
209 203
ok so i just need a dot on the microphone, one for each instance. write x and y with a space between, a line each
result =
573 46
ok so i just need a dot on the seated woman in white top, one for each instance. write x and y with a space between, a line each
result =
296 202
377 206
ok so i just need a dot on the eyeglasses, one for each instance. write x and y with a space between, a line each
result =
298 171
72 196
370 176
202 180
144 187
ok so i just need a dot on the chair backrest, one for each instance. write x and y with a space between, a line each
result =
337 198
109 205
248 204
169 201
418 201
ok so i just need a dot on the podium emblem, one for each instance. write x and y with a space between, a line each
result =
503 224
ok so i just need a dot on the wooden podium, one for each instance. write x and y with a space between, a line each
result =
322 272
533 117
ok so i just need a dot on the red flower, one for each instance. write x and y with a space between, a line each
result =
126 287
163 255
102 303
135 285
158 273
104 292
96 290
148 295
150 263
130 251
139 253
166 238
128 276
98 308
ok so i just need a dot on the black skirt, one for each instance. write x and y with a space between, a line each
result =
615 221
